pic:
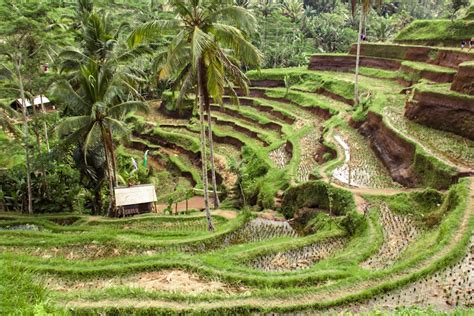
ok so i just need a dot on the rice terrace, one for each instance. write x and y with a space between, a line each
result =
236 157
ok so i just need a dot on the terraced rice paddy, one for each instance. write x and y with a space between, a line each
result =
327 209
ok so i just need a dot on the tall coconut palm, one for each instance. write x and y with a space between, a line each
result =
100 87
211 40
100 102
365 6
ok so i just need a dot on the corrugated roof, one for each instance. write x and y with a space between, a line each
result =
37 100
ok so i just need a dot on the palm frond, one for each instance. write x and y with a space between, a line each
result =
149 30
233 38
238 16
69 98
70 124
200 42
117 128
124 108
215 77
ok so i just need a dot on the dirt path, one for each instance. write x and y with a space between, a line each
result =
322 295
194 203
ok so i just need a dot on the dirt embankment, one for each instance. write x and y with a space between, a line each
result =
442 111
464 79
267 83
334 96
440 77
247 132
323 113
405 163
348 62
431 55
395 153
195 158
235 113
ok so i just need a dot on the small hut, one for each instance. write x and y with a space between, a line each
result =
37 101
137 199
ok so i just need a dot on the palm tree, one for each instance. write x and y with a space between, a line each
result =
100 103
211 41
365 6
100 88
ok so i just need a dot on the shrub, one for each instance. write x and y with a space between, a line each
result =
319 195
55 186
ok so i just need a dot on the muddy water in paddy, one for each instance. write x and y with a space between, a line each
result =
280 156
299 258
398 232
310 146
443 291
361 167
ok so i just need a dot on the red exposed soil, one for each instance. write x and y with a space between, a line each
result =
323 113
429 75
394 152
432 55
194 203
441 111
464 80
334 96
240 129
347 62
270 125
262 108
267 83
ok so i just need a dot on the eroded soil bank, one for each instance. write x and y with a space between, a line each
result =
446 112
400 157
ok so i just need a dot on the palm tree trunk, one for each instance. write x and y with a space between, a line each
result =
202 87
211 157
110 173
356 84
113 161
26 136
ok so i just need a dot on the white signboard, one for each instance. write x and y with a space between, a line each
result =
136 194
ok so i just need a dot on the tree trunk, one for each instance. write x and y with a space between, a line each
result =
45 127
211 157
110 144
356 84
202 87
26 136
110 172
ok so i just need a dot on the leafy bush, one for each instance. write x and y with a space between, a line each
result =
170 107
317 195
352 221
55 186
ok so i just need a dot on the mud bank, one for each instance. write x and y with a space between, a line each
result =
263 108
348 62
235 113
449 112
435 76
267 83
405 163
247 132
431 55
464 79
323 113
